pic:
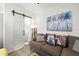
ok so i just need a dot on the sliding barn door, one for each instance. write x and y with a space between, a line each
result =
19 33
28 28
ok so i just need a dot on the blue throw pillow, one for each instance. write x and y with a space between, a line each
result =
50 40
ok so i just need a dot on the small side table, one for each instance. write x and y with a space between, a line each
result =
26 43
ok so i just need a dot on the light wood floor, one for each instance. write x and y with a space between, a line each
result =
25 51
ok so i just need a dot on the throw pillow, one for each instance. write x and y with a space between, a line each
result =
58 41
45 37
51 40
76 46
39 37
61 40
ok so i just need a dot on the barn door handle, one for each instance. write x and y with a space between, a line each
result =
23 33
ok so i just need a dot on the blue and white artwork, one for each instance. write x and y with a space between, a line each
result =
60 22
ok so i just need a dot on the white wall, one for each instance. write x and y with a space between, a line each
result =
1 24
12 39
1 30
42 18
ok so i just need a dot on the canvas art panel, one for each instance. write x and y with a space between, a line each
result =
60 22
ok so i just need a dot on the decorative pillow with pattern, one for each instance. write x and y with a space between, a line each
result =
39 37
61 40
51 40
45 37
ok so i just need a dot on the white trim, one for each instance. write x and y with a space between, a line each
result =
4 25
17 48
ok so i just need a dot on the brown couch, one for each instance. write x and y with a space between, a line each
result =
44 49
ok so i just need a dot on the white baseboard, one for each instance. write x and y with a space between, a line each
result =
16 49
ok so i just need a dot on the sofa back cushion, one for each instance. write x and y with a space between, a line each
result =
71 41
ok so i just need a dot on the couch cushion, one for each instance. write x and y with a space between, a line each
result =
71 41
37 44
69 52
51 50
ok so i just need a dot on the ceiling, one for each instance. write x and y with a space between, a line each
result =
34 7
38 8
41 7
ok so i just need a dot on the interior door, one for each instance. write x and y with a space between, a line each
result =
19 37
28 29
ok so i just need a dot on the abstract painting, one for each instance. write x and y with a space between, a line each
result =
60 22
